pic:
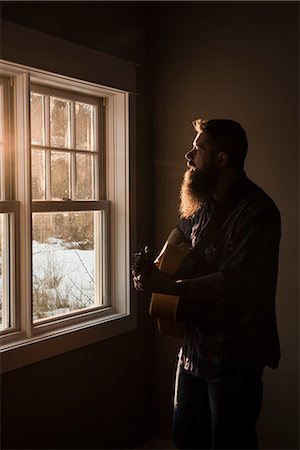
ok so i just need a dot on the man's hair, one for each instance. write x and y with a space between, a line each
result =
227 136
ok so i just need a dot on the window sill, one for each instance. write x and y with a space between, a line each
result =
31 350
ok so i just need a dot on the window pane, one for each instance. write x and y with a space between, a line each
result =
1 269
4 272
37 119
38 175
2 118
65 256
84 177
60 175
5 138
84 126
60 122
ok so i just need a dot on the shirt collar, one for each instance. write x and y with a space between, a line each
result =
237 190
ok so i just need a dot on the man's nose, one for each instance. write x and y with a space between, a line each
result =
189 155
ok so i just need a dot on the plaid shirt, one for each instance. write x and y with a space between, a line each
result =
237 331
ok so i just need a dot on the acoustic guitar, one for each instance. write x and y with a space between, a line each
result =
164 307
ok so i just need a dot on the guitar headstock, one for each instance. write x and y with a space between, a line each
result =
141 260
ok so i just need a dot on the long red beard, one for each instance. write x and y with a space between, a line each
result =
189 201
196 188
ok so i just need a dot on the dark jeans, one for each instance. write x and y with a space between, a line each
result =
217 415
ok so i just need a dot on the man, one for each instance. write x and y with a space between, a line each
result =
227 297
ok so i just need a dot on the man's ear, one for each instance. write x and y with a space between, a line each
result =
221 159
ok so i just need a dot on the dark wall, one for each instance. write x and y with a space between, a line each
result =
235 60
95 397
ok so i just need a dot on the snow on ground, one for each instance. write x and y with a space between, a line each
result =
72 268
64 273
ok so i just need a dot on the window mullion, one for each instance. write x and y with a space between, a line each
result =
73 153
47 152
97 175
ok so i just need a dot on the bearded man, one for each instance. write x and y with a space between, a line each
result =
227 298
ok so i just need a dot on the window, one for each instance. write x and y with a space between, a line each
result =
69 240
64 216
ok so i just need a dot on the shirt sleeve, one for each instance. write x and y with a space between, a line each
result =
250 264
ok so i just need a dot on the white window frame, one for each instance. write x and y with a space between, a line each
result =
30 343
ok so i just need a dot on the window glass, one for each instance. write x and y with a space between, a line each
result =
60 175
1 139
84 126
2 262
5 319
60 121
66 269
69 173
5 132
38 175
37 107
84 177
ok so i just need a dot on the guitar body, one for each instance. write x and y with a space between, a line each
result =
164 307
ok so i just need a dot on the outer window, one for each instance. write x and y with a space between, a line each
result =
64 214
